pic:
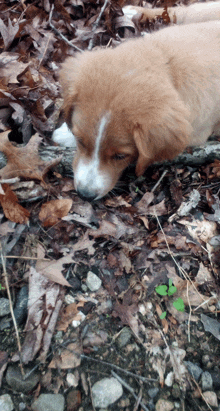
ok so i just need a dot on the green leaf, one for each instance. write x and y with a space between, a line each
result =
172 290
163 315
179 304
170 282
161 289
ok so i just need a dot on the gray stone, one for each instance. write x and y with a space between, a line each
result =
152 392
106 391
49 402
14 378
206 381
124 337
193 369
4 307
211 398
93 282
6 403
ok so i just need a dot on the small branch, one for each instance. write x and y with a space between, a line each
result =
60 34
147 380
96 24
11 308
130 389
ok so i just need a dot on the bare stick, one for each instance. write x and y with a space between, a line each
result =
147 380
96 24
60 34
130 389
11 308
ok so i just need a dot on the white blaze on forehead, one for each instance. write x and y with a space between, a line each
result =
87 175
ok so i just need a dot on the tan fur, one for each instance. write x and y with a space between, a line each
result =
162 93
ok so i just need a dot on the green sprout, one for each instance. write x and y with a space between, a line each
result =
2 288
170 290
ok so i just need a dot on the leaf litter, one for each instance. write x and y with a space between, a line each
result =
119 238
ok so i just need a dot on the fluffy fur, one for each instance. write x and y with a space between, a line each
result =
144 101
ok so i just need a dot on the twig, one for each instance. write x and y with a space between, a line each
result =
96 24
90 388
190 309
19 257
159 181
60 34
147 380
183 272
130 389
200 392
138 402
11 308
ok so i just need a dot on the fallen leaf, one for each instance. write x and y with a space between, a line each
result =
24 161
211 325
52 269
12 209
70 357
52 211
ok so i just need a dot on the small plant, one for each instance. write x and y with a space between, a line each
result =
2 288
170 290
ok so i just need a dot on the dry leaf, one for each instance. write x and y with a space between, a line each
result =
24 161
53 269
52 211
12 209
69 357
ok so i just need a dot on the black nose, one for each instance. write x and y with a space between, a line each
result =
86 195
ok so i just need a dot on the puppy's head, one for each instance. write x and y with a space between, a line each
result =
119 114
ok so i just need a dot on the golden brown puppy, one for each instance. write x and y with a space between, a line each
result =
144 101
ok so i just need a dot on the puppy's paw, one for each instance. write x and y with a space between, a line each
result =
141 14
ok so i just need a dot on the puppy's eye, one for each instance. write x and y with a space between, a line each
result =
119 156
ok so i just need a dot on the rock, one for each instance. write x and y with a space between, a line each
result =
164 405
211 398
152 392
14 378
193 369
93 282
106 391
6 403
4 307
215 378
49 402
169 379
206 381
124 337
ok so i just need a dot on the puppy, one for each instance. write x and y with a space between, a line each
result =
144 101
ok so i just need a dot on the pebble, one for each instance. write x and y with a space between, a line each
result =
124 337
49 402
211 398
206 381
169 379
6 403
193 369
106 391
93 282
15 380
152 392
4 307
164 405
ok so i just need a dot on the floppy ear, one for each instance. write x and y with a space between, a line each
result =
162 141
67 79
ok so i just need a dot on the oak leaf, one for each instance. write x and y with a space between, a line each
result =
12 209
24 161
52 211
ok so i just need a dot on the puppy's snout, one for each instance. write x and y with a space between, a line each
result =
86 194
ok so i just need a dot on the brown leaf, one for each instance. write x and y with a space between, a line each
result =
52 211
52 269
24 161
8 32
69 357
12 209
